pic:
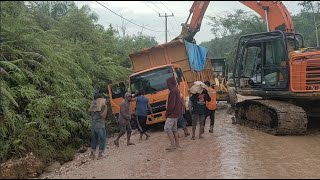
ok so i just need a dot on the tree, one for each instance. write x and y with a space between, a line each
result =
53 56
311 10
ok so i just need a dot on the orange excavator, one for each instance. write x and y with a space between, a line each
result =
276 78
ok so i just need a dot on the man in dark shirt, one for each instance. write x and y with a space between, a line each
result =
198 106
142 106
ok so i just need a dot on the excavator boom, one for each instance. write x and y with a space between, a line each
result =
274 13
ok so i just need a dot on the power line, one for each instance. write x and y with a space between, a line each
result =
150 7
127 19
172 26
157 6
166 7
159 13
170 35
172 13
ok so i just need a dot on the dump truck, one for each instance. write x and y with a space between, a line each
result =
151 68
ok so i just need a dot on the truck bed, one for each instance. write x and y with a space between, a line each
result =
173 52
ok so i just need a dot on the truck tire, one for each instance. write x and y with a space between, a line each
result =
232 96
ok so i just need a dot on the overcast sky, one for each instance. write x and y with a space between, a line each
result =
145 13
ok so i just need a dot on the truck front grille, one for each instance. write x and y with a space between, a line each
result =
158 107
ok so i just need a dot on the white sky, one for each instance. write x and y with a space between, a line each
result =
145 13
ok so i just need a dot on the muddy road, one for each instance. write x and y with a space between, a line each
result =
232 151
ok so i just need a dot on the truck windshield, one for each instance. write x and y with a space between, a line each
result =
151 81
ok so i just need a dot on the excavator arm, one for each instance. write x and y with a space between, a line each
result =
274 13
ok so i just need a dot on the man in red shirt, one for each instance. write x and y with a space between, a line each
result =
173 112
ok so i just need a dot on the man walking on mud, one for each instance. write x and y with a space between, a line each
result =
174 111
98 110
124 119
198 106
142 106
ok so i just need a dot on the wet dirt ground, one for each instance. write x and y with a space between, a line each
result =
231 151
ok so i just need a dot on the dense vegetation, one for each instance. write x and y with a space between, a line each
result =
53 57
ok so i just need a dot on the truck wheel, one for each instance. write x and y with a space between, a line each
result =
188 117
232 96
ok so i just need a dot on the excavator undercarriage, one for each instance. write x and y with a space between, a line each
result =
271 116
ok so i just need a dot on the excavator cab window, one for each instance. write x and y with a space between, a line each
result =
274 65
262 62
251 64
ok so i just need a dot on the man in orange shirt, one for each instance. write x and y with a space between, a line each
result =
211 105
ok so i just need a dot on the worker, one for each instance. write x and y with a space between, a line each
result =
174 111
198 107
98 110
124 119
142 106
211 105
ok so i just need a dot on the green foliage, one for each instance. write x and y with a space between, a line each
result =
306 21
55 56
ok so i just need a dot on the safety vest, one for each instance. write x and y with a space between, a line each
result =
212 105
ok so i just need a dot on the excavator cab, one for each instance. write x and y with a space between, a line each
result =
262 62
274 69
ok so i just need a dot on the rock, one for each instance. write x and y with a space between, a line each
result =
27 167
54 166
83 161
83 149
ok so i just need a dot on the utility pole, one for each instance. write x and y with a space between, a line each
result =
124 27
165 15
315 24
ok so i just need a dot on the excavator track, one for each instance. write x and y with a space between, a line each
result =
271 116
